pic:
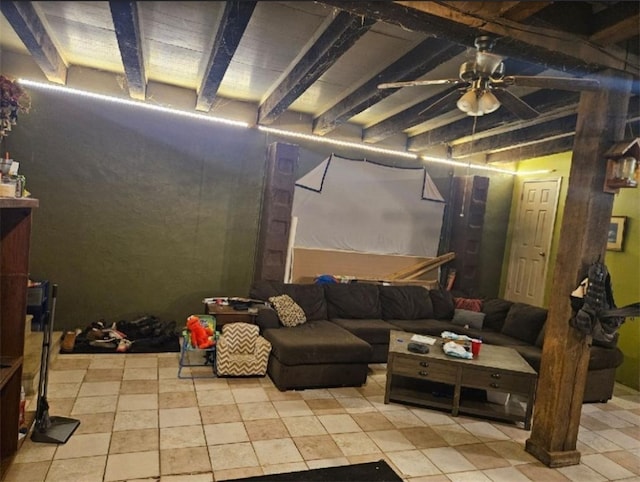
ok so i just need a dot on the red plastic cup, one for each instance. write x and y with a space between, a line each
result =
475 347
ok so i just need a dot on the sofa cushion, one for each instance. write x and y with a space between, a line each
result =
472 319
524 322
263 290
470 304
422 327
540 338
496 310
405 302
311 299
352 300
370 330
289 311
317 343
442 302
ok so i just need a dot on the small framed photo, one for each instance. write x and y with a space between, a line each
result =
616 233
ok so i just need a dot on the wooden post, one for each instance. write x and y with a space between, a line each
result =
583 240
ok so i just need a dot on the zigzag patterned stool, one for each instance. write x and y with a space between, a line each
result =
241 351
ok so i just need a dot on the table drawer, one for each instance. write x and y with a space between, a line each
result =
497 380
424 368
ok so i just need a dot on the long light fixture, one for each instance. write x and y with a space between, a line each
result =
337 142
133 103
271 130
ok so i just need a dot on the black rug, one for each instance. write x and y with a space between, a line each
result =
370 472
147 334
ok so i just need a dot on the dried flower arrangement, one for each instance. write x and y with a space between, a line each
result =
13 99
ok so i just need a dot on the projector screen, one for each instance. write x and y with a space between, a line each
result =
357 205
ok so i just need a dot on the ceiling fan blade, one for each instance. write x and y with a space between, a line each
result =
516 105
559 83
445 103
487 63
416 83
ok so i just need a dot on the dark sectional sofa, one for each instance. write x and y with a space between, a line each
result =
348 327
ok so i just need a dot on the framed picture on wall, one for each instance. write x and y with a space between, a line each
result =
616 233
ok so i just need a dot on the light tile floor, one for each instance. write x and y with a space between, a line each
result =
139 422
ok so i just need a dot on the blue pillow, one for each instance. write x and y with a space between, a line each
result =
468 319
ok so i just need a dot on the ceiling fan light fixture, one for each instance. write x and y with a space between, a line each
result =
487 103
476 102
469 102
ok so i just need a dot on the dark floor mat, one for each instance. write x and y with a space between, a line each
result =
369 472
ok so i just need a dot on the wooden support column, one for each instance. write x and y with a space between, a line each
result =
583 239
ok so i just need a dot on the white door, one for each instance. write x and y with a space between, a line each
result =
531 242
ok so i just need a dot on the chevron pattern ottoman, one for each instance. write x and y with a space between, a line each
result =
241 351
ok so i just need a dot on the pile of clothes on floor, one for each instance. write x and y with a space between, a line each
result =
147 334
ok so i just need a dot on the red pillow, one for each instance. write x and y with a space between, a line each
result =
470 304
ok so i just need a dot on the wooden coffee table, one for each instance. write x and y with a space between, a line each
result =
436 380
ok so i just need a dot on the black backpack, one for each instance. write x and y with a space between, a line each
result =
595 311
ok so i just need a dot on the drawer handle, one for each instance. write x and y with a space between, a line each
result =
496 376
494 385
423 374
424 364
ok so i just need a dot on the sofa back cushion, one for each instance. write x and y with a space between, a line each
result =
310 298
353 300
405 303
496 310
442 301
524 322
263 290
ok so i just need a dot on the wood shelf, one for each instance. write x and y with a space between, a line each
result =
15 235
8 366
18 202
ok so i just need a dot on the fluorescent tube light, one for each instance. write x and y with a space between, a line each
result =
133 103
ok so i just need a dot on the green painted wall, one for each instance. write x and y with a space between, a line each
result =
140 212
148 213
624 266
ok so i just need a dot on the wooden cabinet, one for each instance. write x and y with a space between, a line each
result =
15 231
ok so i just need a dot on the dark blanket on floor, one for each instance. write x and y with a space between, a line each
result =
147 334
369 472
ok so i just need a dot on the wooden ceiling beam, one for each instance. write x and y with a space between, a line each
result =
556 128
412 117
546 102
127 26
617 23
25 21
487 9
531 151
423 58
551 48
233 23
563 144
337 36
524 10
409 117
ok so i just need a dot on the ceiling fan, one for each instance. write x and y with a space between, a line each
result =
484 85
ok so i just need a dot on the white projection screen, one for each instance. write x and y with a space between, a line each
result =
357 205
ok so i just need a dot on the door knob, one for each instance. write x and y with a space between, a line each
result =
542 253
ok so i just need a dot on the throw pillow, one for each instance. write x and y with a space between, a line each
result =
468 319
289 311
524 322
443 305
496 310
471 304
